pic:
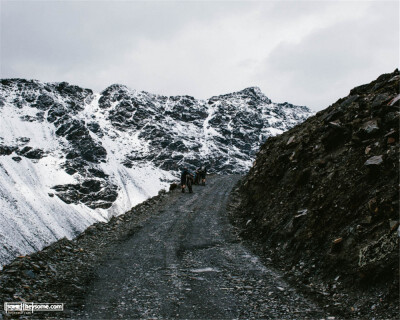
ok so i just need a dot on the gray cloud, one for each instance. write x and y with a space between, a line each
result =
327 63
302 52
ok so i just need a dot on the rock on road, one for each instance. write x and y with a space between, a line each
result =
188 263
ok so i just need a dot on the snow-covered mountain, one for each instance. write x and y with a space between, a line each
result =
70 157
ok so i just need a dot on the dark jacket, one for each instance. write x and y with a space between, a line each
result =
184 175
203 172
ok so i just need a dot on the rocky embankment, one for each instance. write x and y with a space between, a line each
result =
322 200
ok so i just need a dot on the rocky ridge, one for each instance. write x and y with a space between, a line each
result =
322 200
223 132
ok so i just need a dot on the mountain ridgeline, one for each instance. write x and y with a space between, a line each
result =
223 132
70 157
323 199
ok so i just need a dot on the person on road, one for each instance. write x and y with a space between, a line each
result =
186 180
197 176
203 173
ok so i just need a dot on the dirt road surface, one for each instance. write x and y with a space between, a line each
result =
188 263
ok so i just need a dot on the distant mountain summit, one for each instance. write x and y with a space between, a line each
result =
251 92
70 157
223 132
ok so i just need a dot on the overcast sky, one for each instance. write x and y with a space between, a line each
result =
304 52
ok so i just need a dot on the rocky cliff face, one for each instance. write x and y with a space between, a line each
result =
223 132
70 157
323 197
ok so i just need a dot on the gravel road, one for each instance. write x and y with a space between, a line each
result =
187 262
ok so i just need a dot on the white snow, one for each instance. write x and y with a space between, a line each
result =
41 135
201 270
31 218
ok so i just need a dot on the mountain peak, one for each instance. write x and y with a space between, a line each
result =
254 93
115 87
255 90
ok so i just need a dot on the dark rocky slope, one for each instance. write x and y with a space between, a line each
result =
322 200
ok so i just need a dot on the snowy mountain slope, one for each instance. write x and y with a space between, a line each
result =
70 157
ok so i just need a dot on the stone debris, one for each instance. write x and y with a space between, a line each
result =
291 140
374 161
370 127
337 241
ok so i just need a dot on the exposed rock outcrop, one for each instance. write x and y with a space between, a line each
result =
323 197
